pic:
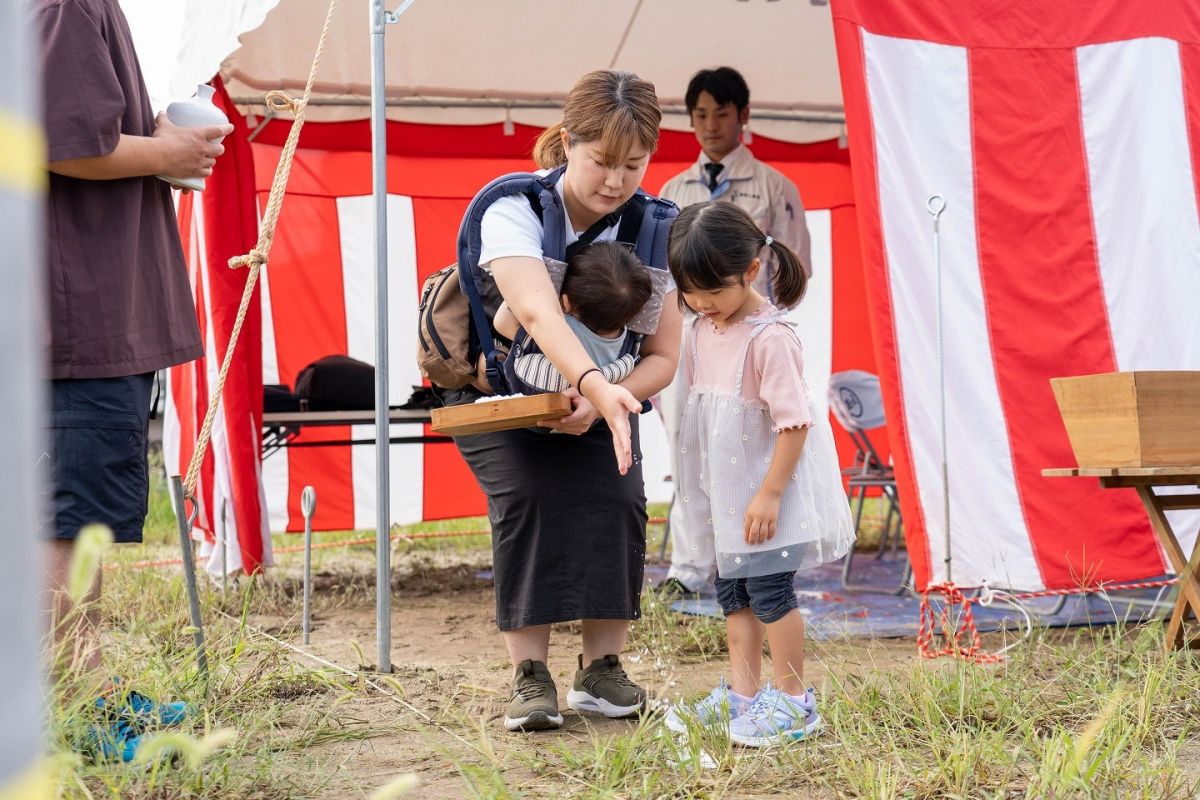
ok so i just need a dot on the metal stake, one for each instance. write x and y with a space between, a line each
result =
308 506
224 545
935 205
179 499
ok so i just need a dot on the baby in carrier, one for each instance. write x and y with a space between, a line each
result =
604 288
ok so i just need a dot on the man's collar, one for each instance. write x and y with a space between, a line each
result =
733 161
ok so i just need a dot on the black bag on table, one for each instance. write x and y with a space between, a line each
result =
337 383
279 397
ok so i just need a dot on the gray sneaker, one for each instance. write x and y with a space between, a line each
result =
534 702
604 688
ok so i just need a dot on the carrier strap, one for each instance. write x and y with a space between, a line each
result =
644 223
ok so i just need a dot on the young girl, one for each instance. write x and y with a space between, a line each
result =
758 468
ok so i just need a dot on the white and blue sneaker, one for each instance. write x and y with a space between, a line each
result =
774 718
720 706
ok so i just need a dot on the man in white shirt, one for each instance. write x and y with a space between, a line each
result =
718 102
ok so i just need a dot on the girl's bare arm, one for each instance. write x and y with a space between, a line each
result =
762 516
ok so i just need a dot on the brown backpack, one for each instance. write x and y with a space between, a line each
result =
444 348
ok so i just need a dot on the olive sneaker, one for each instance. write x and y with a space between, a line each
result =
534 702
604 688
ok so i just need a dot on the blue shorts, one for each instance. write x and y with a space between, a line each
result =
770 597
95 467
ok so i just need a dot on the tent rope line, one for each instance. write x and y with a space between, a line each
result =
961 636
298 548
257 257
359 674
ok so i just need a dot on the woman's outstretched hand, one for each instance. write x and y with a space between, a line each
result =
612 402
615 403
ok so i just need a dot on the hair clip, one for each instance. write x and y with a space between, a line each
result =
768 242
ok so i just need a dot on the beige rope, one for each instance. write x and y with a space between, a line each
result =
257 257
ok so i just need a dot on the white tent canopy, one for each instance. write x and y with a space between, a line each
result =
478 61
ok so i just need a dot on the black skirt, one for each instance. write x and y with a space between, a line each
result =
568 531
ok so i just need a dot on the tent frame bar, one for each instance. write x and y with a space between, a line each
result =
783 115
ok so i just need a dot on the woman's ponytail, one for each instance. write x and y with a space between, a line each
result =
548 151
791 279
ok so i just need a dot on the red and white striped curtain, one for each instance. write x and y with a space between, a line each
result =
1062 136
317 299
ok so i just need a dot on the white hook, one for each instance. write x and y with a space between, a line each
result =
986 595
308 502
935 205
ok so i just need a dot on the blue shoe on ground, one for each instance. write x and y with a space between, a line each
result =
141 711
117 741
775 717
719 707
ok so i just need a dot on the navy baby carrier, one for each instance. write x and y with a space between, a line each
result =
524 345
644 224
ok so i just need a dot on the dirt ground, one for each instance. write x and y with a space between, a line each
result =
450 665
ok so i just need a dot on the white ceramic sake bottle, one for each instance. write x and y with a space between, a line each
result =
195 112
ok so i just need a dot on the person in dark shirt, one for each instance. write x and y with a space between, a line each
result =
119 308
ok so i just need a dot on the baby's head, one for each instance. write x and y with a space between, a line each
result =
605 287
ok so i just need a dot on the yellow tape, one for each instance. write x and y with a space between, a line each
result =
35 784
22 154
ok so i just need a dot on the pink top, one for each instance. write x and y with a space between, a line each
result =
774 374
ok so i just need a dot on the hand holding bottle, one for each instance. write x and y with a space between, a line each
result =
189 153
191 132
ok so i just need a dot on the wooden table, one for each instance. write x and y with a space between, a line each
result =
1144 479
280 428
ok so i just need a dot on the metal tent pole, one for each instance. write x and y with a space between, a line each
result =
935 205
383 552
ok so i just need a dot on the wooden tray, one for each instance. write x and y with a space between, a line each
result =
502 414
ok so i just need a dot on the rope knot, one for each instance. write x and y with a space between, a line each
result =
255 258
957 630
279 101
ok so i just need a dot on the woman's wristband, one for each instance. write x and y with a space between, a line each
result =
586 372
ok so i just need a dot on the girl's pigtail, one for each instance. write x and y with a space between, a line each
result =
790 279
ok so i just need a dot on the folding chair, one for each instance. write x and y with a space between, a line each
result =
857 405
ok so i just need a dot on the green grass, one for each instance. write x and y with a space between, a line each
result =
1088 713
1097 714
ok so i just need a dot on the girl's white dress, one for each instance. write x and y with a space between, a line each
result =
746 383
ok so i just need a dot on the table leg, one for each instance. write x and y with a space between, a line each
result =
1174 638
1185 568
1179 615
